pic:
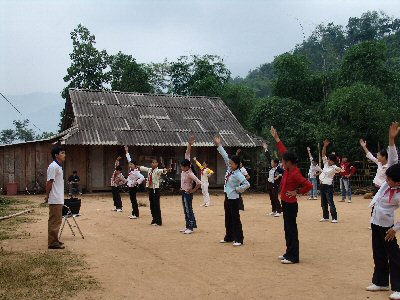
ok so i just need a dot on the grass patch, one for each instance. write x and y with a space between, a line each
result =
48 275
37 275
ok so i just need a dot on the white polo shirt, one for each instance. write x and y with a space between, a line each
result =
328 172
55 173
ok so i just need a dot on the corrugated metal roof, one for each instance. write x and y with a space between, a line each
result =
117 118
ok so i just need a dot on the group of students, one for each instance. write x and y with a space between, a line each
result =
284 178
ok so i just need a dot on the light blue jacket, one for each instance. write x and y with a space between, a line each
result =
236 183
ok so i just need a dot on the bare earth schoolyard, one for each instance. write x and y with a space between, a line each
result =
133 260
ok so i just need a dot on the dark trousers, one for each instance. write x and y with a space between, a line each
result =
241 203
386 259
190 219
327 199
132 196
116 197
154 199
291 233
233 226
273 195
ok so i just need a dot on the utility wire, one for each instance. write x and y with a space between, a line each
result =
19 111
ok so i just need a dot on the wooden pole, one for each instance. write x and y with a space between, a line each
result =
16 214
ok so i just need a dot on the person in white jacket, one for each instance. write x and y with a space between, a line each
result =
135 178
386 252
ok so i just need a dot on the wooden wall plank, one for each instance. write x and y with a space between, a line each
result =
8 164
19 166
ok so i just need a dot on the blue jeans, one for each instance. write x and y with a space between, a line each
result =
188 210
314 191
345 187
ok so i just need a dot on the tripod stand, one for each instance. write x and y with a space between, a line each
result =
66 217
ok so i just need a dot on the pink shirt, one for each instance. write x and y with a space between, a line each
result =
187 177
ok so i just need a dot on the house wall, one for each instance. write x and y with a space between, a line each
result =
27 163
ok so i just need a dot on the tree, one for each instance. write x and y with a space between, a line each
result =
88 65
129 76
198 75
367 63
371 26
354 112
295 122
295 80
7 136
239 99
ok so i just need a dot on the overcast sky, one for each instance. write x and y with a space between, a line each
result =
35 35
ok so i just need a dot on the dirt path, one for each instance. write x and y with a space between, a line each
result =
134 260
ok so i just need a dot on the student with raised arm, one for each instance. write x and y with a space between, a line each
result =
117 180
313 172
235 183
246 174
205 174
153 186
386 252
381 160
326 178
274 179
135 178
188 188
291 181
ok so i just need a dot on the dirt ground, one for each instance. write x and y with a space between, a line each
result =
133 260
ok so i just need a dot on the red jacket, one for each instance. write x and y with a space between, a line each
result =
292 180
348 169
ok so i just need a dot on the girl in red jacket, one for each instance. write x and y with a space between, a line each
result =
291 181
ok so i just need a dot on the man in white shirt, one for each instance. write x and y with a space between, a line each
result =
55 197
326 178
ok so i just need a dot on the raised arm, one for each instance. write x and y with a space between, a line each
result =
279 144
266 152
116 163
326 144
393 156
221 150
127 155
309 154
198 163
189 147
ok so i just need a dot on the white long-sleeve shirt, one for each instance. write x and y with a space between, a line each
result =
380 177
154 175
312 172
387 199
328 172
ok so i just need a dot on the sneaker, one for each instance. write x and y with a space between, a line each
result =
133 217
188 231
202 205
286 261
119 210
272 213
324 220
114 209
224 242
237 244
76 215
281 257
277 215
334 221
376 288
349 201
315 198
395 296
154 224
310 198
183 230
